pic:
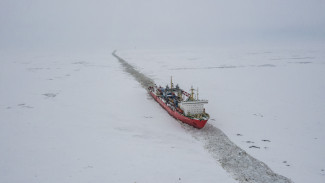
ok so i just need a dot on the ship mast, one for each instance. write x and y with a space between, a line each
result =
192 93
171 83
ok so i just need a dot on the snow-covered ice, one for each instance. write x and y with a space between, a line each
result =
237 162
80 118
270 102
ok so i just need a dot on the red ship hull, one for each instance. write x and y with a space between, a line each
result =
193 122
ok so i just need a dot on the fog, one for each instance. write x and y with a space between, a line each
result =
97 24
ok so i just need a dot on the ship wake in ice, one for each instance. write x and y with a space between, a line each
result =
232 158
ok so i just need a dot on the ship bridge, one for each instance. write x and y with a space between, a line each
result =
193 107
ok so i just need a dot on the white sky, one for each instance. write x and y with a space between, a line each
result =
157 23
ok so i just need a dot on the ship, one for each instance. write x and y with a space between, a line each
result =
181 105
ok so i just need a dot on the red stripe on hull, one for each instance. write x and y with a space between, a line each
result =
193 122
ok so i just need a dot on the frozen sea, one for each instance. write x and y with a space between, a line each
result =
269 101
80 118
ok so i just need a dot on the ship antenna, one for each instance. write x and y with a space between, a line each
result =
197 94
171 83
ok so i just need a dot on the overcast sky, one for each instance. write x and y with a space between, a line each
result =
157 23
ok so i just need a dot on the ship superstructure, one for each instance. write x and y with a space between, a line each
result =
180 104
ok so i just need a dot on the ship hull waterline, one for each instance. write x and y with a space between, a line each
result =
193 122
